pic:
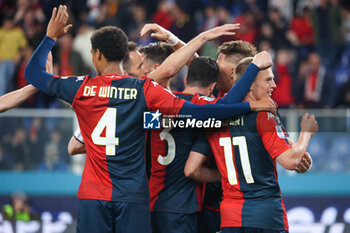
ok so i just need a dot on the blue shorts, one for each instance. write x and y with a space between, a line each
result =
249 230
113 217
209 221
163 222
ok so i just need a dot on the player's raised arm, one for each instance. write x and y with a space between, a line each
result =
179 58
162 34
159 98
291 158
35 71
241 88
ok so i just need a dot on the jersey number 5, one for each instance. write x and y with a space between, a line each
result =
108 121
243 153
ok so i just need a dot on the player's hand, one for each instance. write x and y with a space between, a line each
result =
263 105
158 31
309 124
49 63
57 26
305 163
262 60
224 30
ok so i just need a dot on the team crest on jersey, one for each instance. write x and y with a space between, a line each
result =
151 120
80 78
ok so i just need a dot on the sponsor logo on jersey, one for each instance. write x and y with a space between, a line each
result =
279 131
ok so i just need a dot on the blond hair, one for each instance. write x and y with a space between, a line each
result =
237 50
242 67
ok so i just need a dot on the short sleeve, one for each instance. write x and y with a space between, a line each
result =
201 144
158 98
272 134
66 87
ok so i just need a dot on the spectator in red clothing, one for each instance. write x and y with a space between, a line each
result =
283 92
70 61
315 84
163 17
248 29
302 27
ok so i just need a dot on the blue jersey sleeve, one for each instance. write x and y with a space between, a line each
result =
35 71
240 90
65 87
62 87
217 111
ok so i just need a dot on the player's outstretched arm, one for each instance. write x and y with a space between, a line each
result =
196 170
240 90
17 97
35 71
291 158
179 58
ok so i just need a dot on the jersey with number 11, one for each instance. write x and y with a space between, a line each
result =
245 152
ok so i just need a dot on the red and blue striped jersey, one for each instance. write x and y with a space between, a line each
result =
170 189
110 110
245 152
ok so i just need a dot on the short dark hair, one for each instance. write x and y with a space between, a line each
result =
157 52
132 46
237 50
203 71
111 41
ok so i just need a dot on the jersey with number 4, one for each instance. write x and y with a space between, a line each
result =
245 151
170 190
110 111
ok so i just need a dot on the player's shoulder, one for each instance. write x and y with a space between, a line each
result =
182 95
268 120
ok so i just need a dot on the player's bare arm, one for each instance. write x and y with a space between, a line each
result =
162 34
306 161
291 158
76 143
13 99
196 170
76 147
179 58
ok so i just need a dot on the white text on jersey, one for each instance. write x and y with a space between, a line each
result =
110 92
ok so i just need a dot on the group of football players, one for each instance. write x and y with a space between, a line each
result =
197 180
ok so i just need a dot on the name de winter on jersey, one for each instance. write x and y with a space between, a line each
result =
113 131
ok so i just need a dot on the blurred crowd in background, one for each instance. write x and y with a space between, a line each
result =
309 41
